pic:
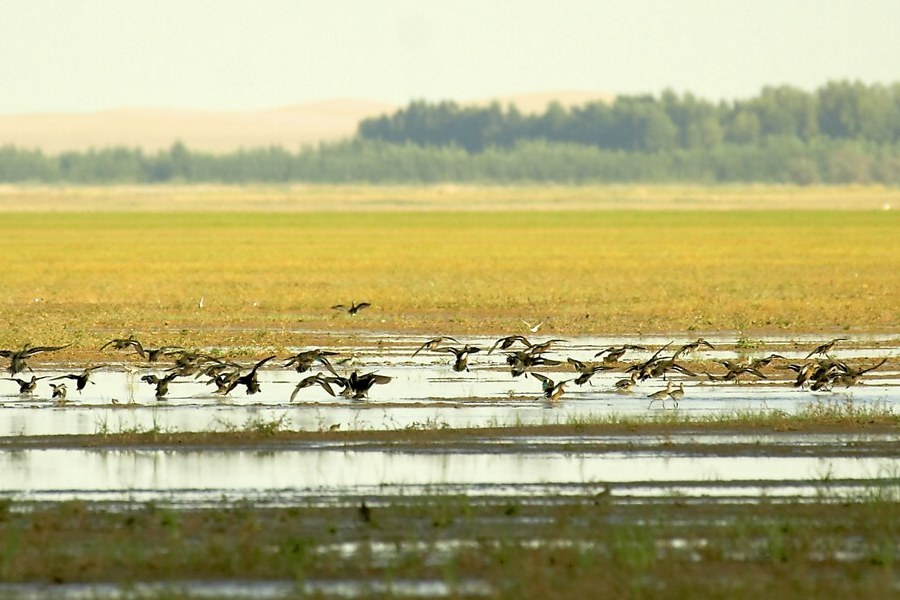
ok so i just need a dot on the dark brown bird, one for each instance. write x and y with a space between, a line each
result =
759 363
614 353
521 361
365 513
586 370
59 392
552 390
353 308
505 343
663 366
17 358
804 372
433 343
26 386
154 354
316 379
542 347
735 370
81 379
303 361
841 374
691 346
224 382
644 368
462 356
357 386
123 344
250 379
161 383
825 348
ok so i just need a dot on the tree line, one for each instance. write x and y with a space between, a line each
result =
839 110
842 133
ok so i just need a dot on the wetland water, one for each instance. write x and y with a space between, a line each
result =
536 491
424 393
321 471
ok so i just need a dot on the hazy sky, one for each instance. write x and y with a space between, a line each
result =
76 55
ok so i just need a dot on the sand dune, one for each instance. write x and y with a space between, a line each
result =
290 127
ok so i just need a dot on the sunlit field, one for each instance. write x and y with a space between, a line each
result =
250 277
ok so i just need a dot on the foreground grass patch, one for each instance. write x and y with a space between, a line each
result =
580 546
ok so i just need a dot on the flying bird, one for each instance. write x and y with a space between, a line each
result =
26 386
59 392
161 383
825 348
353 308
17 358
532 328
433 343
317 379
552 389
81 379
461 354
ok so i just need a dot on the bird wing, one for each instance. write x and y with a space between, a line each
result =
429 344
542 378
579 366
864 371
39 349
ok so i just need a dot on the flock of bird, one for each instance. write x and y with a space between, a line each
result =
819 370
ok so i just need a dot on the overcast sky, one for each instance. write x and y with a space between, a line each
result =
78 55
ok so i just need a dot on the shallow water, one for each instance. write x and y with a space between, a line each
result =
426 393
113 474
248 589
423 392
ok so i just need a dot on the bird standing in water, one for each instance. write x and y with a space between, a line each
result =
59 392
661 395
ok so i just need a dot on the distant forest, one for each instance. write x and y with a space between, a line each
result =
844 132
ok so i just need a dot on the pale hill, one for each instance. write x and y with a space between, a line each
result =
151 129
290 127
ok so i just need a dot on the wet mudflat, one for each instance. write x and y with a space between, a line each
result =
446 483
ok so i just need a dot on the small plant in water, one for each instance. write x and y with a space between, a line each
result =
271 426
745 343
429 424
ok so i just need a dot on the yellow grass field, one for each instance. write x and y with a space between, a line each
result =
76 272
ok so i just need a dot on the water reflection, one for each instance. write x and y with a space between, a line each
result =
273 590
330 471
